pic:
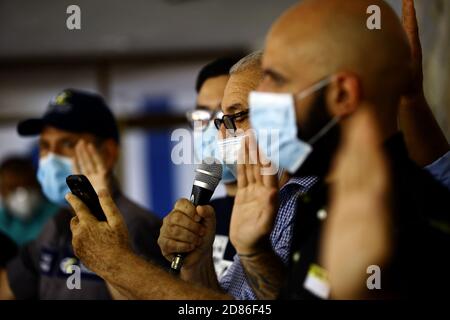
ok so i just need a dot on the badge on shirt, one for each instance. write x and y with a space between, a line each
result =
316 281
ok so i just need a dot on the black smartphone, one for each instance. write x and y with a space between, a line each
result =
80 186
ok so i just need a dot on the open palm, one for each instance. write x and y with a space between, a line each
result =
255 206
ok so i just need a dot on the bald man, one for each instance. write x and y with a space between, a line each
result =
332 67
323 50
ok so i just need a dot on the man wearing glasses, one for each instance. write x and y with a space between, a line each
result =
210 86
183 233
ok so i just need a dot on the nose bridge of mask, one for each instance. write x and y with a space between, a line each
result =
55 158
228 149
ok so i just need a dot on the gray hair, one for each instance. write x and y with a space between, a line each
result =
251 60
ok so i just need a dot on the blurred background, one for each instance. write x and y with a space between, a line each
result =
143 57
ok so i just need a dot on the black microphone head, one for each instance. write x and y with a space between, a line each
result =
208 174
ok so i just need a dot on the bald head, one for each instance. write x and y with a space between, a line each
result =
317 38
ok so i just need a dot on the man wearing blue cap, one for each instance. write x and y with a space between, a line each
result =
77 134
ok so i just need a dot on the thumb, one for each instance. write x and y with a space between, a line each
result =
209 216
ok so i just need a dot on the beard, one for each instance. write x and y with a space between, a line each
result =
319 161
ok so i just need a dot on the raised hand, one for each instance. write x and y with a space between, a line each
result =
424 138
89 163
255 206
357 233
98 244
409 21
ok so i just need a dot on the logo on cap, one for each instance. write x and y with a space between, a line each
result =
62 97
60 104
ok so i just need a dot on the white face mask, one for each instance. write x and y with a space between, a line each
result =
23 202
229 149
272 115
228 152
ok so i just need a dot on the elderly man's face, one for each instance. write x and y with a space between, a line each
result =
236 93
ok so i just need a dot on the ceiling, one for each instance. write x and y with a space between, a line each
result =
114 27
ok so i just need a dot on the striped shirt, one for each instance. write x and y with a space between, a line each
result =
234 281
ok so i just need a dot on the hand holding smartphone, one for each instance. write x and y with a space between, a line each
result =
80 186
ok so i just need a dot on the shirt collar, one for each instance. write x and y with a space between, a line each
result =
304 182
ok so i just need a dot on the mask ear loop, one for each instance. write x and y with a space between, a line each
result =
324 130
314 88
332 122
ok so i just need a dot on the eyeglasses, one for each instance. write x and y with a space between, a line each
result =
229 120
201 116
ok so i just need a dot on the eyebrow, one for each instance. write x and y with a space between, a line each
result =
234 108
274 74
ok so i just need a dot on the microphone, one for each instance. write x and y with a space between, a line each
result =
207 177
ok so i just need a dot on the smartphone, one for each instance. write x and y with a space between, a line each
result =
80 186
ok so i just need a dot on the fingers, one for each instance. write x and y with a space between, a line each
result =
95 157
186 207
179 219
208 219
88 160
251 164
83 159
409 18
181 234
112 213
410 25
81 211
74 222
206 212
254 163
241 172
169 247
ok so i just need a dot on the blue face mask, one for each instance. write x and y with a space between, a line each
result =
52 173
272 116
205 146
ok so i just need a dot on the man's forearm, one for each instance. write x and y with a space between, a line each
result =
264 272
203 274
138 279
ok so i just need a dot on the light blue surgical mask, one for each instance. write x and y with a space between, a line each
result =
52 172
272 116
205 146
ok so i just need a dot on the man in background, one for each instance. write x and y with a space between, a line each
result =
210 86
77 134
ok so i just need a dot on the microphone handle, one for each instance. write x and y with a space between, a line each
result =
199 197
